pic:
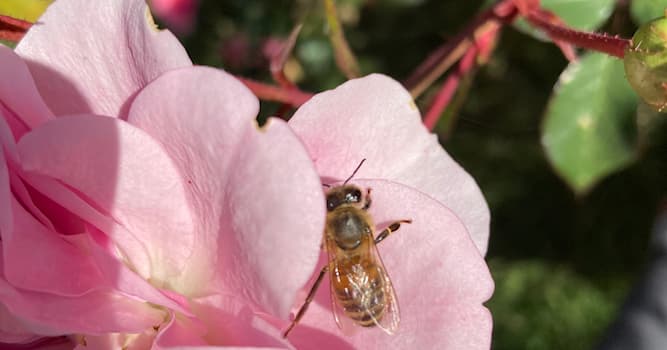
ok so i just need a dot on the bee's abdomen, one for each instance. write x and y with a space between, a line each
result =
361 295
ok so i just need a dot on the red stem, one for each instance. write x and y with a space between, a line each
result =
453 49
611 45
481 50
12 29
442 99
293 97
449 87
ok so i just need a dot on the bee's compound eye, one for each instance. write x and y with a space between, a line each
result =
332 203
353 196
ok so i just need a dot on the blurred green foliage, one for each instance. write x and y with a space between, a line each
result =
538 305
643 11
562 262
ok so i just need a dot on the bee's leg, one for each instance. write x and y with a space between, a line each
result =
309 298
393 227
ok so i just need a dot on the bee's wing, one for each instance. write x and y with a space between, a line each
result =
391 317
346 325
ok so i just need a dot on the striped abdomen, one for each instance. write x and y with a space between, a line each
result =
359 290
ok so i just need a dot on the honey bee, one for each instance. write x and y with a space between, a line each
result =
361 291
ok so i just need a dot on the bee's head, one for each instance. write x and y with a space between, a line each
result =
344 195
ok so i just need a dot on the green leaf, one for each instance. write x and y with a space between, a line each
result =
589 129
585 15
539 305
643 11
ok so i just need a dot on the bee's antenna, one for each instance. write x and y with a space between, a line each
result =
326 185
355 171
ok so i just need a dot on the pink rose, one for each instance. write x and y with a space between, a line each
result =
140 205
139 202
437 271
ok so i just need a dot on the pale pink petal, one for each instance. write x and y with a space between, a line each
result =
275 205
259 203
92 56
16 126
122 171
6 217
127 247
231 322
219 348
10 182
18 92
198 114
38 259
12 329
439 276
114 341
7 138
44 343
180 331
17 186
118 275
375 118
226 323
93 313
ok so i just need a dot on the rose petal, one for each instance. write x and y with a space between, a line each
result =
125 173
43 343
275 206
231 322
92 56
180 331
14 183
7 139
128 248
195 110
183 334
198 114
18 92
115 341
38 259
6 218
93 313
120 276
375 118
439 277
258 201
12 329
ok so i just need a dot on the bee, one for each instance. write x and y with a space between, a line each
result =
361 291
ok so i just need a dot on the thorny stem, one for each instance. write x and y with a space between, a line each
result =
611 45
486 23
